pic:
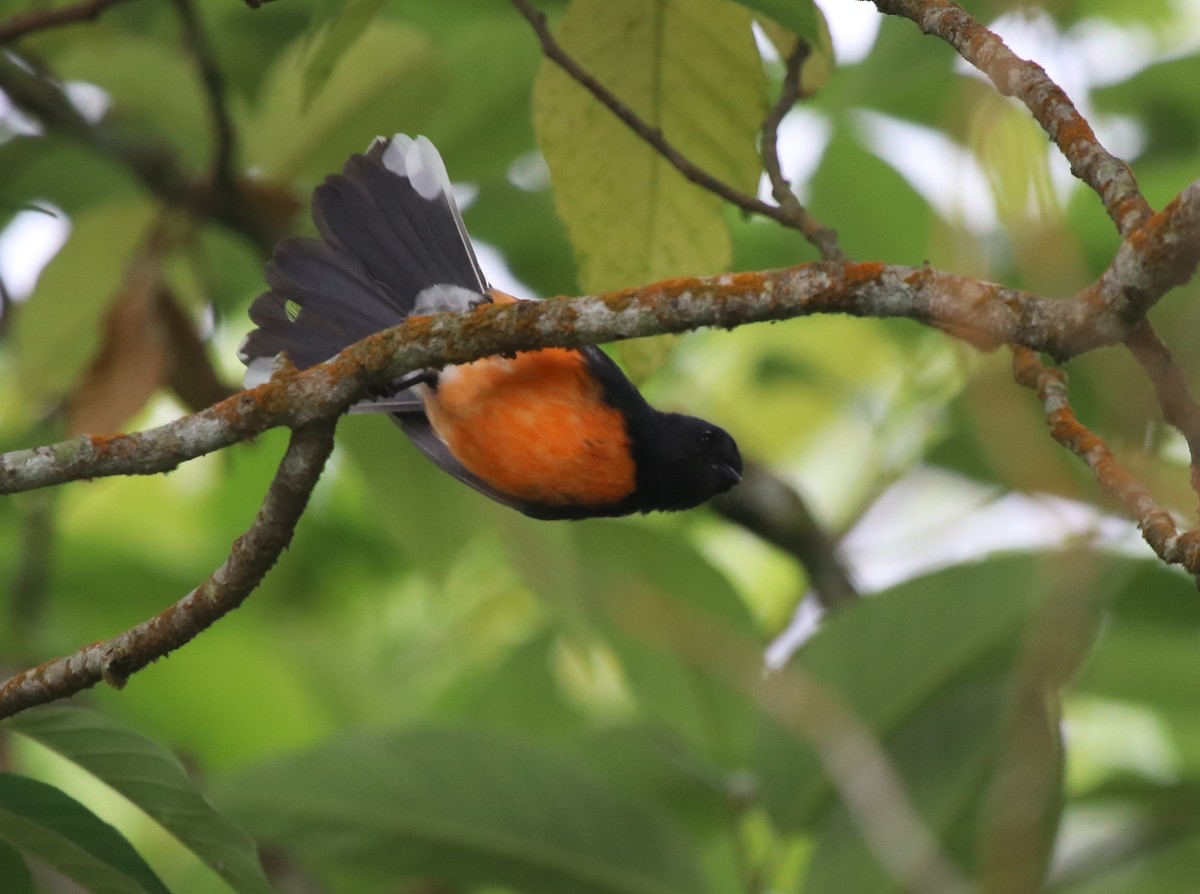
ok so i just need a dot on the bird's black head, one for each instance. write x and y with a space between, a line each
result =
684 461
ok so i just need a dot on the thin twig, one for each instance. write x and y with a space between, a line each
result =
653 136
825 239
1158 527
252 556
211 77
36 20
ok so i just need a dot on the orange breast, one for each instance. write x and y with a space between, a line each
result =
534 426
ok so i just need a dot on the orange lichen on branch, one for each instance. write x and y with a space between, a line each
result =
1157 525
857 273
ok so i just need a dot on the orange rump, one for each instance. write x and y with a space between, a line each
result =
535 426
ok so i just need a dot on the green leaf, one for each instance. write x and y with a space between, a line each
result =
153 779
690 69
848 190
638 588
803 17
152 85
14 871
337 25
391 74
901 659
1160 99
960 729
464 807
58 330
42 822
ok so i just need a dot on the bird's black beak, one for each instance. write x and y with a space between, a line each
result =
729 473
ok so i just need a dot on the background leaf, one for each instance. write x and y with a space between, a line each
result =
477 808
43 822
641 220
153 779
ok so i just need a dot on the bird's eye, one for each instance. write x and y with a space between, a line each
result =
708 437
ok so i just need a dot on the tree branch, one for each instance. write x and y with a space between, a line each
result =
819 235
1109 176
985 314
224 181
36 20
252 556
1158 527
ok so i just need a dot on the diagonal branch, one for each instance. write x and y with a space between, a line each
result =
253 554
769 507
1179 407
1109 176
1158 527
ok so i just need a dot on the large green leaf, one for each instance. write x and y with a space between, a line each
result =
336 25
464 807
949 674
689 68
153 779
640 589
389 79
41 821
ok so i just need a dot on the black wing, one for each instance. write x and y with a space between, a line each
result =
390 231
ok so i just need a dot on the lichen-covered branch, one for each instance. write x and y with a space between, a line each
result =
1109 176
984 313
251 558
1117 294
1158 527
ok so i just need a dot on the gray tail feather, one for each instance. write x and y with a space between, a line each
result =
384 239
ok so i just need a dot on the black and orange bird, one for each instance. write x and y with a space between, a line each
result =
554 433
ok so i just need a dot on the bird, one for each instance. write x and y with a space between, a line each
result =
554 433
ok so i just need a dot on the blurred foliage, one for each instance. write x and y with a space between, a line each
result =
430 693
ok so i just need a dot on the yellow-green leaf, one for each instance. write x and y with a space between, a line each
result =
803 17
687 67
